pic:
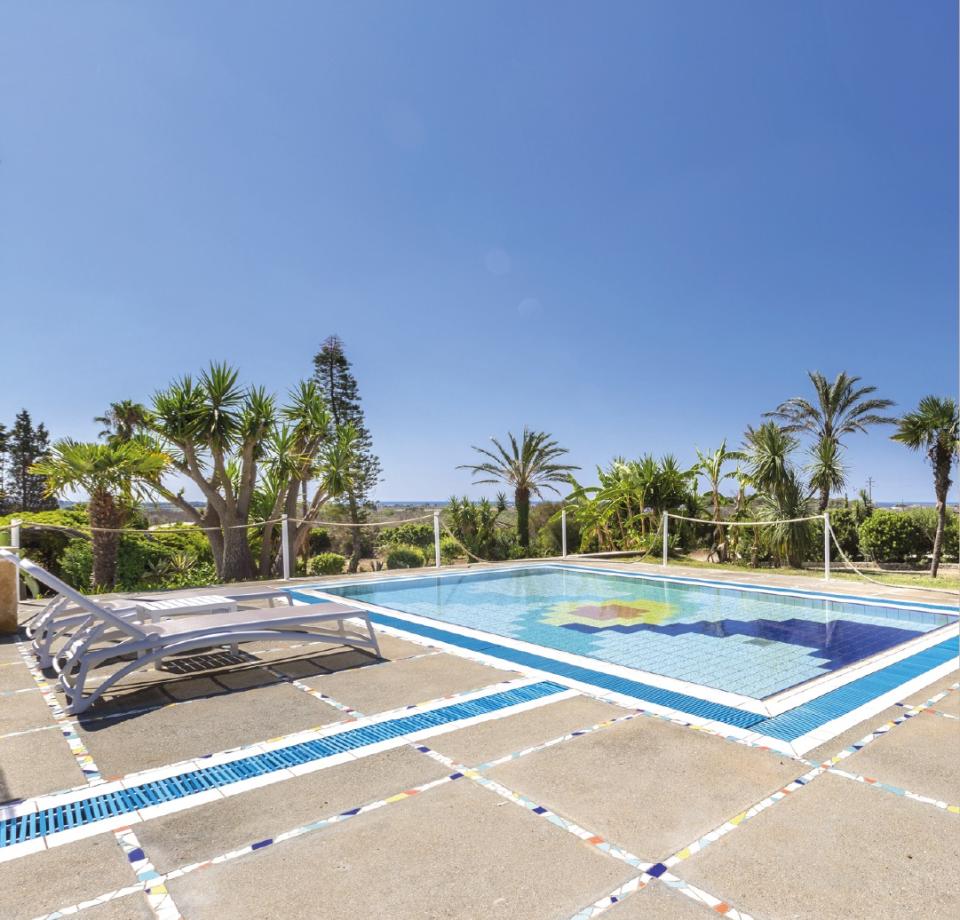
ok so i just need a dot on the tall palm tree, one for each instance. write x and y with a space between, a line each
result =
112 475
840 407
528 466
122 420
826 471
711 465
934 427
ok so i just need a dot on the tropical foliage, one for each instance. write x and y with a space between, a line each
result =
528 466
933 429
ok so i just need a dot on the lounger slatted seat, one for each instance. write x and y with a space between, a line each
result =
109 636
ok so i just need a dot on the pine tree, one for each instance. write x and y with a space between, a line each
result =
26 445
339 386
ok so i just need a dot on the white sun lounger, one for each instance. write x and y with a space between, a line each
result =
69 610
110 633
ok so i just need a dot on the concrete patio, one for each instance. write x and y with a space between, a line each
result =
567 807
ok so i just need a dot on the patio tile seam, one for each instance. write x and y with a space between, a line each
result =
158 898
882 730
896 790
258 845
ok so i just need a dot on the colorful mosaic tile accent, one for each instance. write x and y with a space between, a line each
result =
896 790
158 898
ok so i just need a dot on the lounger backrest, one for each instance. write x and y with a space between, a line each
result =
63 589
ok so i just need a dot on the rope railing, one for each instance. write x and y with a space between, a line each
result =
680 517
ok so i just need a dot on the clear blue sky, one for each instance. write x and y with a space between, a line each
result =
635 225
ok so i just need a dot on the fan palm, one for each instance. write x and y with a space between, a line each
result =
933 427
841 407
528 466
112 475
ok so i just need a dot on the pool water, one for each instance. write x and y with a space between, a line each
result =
742 641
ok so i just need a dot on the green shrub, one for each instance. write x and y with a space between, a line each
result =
405 557
892 536
45 547
326 564
419 535
318 541
450 550
76 563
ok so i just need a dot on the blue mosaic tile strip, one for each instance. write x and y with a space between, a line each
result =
786 727
809 716
682 702
126 801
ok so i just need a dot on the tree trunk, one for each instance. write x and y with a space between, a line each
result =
104 513
824 499
521 498
357 536
942 488
237 564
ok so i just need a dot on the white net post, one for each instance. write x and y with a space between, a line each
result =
826 546
285 545
436 538
563 533
666 536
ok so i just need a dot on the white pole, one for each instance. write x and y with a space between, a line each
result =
15 544
563 532
436 538
666 536
285 546
826 545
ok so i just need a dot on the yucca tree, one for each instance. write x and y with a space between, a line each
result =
529 467
766 454
112 475
839 407
933 428
791 540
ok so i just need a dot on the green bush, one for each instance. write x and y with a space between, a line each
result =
450 550
76 564
326 564
45 547
318 541
419 535
892 536
405 557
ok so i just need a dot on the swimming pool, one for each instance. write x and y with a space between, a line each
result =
743 641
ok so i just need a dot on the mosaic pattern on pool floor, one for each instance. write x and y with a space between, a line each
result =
742 641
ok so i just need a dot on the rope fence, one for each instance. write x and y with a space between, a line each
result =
663 532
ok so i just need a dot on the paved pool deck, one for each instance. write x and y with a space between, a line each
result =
463 790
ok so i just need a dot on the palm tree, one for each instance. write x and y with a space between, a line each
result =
790 539
934 427
840 408
112 475
826 470
711 465
122 420
528 467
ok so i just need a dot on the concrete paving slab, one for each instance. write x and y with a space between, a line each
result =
177 732
22 711
406 681
453 852
488 740
836 849
209 830
130 907
647 785
35 764
950 704
921 755
38 884
658 902
15 676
